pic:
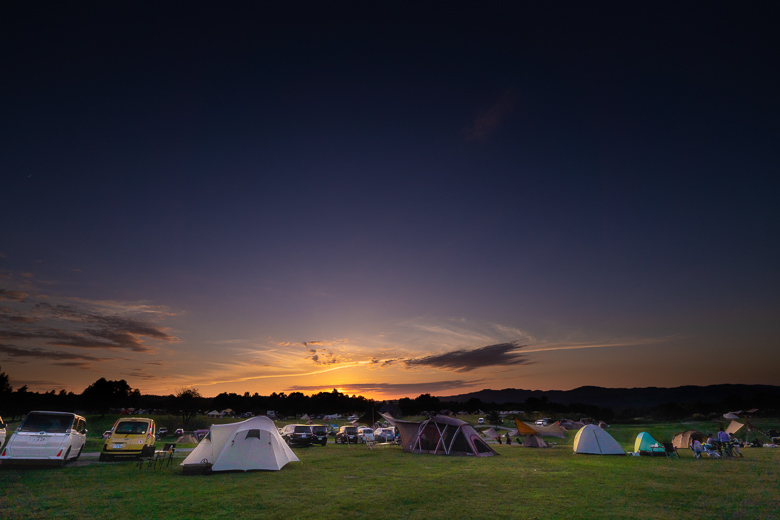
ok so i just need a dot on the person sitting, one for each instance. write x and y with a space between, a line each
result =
700 449
712 442
697 448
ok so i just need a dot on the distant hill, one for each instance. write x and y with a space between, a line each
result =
618 398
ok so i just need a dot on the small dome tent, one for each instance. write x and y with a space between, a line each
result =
646 445
442 435
254 444
591 439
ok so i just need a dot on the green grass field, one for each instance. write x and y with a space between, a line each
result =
357 482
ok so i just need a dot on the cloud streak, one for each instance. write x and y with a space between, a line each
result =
38 353
391 388
467 360
77 324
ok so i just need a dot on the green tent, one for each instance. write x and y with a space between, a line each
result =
646 445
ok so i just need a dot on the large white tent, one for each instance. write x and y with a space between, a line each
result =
594 440
243 446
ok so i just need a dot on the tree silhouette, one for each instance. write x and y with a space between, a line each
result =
5 392
187 401
103 394
494 418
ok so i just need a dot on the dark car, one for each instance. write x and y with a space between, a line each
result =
297 435
347 435
319 434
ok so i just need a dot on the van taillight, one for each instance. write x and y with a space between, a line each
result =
3 455
60 453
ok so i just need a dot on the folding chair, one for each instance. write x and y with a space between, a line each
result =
165 455
670 451
711 453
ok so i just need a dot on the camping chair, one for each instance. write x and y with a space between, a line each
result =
165 455
145 460
698 454
670 451
711 453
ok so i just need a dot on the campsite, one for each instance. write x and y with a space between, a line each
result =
355 481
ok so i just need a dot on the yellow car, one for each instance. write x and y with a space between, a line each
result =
130 437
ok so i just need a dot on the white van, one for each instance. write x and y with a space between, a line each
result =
46 437
2 432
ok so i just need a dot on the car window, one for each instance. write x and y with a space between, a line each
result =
131 428
302 429
50 423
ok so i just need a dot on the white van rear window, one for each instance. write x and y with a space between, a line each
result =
49 423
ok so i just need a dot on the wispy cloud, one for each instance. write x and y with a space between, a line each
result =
41 320
467 360
391 388
17 296
629 342
323 356
37 353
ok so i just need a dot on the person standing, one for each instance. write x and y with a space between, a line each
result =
724 442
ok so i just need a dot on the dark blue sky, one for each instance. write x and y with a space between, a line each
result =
308 195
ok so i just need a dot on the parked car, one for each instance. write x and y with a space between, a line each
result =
107 434
178 432
319 434
162 431
481 420
543 422
2 432
365 434
384 434
347 435
297 434
46 437
199 434
130 438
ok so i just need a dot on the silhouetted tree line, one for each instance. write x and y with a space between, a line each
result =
104 395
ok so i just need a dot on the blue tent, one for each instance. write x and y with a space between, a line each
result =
646 445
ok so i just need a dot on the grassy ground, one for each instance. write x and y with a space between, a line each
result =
356 482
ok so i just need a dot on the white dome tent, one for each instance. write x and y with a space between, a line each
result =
254 444
595 441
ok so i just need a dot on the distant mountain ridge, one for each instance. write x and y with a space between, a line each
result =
624 397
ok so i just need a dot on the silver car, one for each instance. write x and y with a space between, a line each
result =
46 437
